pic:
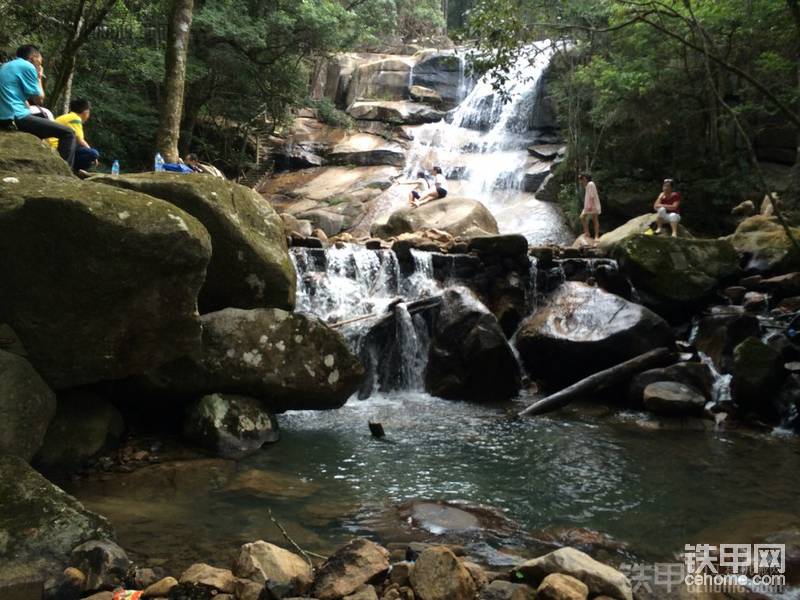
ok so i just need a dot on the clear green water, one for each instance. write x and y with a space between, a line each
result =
653 490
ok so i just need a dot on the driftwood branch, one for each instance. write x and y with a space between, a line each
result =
304 553
601 380
412 307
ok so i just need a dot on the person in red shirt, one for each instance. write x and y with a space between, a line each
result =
668 208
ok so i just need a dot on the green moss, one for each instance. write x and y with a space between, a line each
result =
22 153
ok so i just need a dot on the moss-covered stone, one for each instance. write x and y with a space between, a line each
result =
40 524
250 265
98 282
636 226
26 407
676 274
23 153
764 245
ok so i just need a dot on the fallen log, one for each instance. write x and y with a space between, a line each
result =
661 357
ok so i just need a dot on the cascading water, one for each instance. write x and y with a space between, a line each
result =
483 151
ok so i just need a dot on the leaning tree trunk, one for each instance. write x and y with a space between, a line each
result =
169 123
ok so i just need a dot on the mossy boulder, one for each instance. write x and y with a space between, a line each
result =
756 377
26 407
636 226
40 524
764 246
98 282
23 153
84 425
250 265
289 361
673 275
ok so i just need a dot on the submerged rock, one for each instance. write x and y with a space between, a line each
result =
470 357
583 330
462 217
26 407
351 566
439 575
229 425
599 578
250 266
23 154
98 282
289 361
40 524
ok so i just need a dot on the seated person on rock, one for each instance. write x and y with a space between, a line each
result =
668 208
439 189
86 157
196 166
421 184
21 84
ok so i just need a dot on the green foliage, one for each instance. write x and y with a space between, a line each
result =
330 115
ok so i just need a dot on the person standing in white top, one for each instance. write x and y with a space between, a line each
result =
439 188
591 206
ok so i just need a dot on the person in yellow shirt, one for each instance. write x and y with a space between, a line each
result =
86 157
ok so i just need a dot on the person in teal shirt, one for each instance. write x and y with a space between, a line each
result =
21 84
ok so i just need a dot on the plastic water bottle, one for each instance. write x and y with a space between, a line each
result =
159 166
115 168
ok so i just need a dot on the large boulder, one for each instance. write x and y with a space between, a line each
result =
250 266
462 217
439 575
98 282
230 426
721 330
764 246
83 426
104 563
289 361
365 150
584 329
673 275
280 570
26 407
469 355
599 578
695 374
636 226
395 112
40 524
442 72
23 153
351 566
673 399
755 381
386 78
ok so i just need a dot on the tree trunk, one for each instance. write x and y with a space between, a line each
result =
794 8
169 122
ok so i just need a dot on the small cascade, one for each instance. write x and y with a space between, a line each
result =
721 389
413 342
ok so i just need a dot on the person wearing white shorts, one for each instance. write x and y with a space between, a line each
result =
668 208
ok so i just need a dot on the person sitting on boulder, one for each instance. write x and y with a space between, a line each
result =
86 157
591 206
421 183
20 84
668 208
439 190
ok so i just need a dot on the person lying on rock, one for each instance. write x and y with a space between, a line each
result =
198 167
86 157
21 83
421 184
668 208
439 190
591 206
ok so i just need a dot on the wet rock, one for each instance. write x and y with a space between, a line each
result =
127 293
462 217
546 151
469 356
755 377
764 247
439 575
557 586
427 95
505 590
221 580
782 286
675 275
268 484
673 398
292 224
264 354
365 150
84 425
442 72
23 154
26 407
719 332
229 425
365 592
40 524
396 112
693 374
386 78
351 566
250 265
583 330
274 567
105 564
599 578
754 302
499 245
